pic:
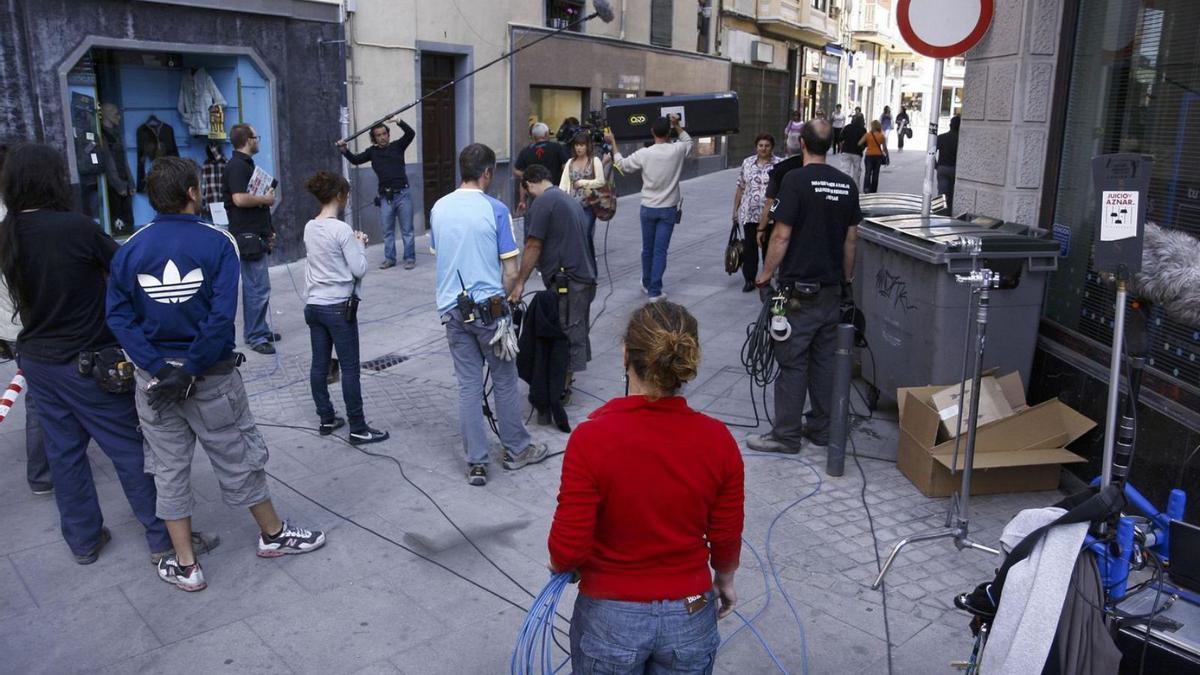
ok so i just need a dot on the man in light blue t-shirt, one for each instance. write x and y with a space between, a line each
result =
471 233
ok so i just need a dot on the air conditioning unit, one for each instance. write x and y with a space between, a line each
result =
762 52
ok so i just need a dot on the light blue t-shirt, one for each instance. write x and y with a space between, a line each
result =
470 233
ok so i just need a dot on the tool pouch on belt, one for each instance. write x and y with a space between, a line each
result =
560 283
109 368
799 292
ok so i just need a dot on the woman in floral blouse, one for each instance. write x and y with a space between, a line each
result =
748 202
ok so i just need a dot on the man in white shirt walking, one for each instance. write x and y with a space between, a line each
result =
838 121
661 165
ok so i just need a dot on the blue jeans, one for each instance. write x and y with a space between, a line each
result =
469 349
72 411
611 636
399 206
256 297
37 467
657 226
328 329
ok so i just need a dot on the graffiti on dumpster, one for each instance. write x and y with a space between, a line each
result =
894 288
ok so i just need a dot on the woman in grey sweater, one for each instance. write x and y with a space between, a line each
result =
336 264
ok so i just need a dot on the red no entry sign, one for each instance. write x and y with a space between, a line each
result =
943 28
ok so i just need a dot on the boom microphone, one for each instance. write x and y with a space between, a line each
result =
1170 275
604 10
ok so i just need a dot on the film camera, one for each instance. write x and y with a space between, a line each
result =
593 125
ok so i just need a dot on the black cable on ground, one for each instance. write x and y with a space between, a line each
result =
887 631
611 285
316 433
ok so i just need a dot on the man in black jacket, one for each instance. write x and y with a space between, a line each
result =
394 201
250 225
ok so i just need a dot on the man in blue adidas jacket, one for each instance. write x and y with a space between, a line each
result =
172 299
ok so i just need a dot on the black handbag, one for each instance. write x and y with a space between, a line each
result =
734 250
251 246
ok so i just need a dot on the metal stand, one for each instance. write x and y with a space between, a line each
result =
1114 385
960 516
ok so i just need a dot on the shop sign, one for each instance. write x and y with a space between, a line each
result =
812 62
829 68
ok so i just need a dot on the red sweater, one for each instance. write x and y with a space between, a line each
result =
650 491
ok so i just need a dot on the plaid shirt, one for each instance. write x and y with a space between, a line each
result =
210 182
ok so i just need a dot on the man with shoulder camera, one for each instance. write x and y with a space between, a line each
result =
394 200
250 225
471 233
661 165
812 247
172 299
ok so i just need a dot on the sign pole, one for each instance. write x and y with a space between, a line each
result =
931 150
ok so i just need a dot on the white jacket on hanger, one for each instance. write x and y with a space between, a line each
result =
198 93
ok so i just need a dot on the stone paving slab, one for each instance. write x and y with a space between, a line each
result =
362 604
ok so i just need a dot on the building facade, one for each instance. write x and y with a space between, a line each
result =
399 50
277 66
1054 83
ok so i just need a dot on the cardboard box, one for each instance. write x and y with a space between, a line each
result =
993 403
1019 453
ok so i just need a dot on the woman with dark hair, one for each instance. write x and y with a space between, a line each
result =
335 265
885 120
55 262
748 202
583 174
651 497
875 142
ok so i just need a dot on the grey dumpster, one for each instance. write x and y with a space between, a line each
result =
916 313
897 203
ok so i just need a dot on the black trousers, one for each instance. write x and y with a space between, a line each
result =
871 179
751 254
837 140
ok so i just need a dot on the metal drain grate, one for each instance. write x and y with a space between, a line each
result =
383 362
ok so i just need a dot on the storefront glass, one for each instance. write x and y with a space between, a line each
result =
1134 87
129 107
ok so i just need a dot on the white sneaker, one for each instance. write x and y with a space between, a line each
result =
291 540
190 579
659 298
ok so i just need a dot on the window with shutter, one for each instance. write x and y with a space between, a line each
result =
662 16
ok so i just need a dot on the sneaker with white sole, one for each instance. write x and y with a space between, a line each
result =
368 435
190 578
532 454
291 540
477 475
202 542
769 443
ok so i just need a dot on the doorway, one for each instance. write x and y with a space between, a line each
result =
438 141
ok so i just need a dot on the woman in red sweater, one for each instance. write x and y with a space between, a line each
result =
652 496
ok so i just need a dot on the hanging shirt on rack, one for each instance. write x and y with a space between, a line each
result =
198 93
155 139
212 176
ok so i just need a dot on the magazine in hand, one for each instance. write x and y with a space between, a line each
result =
261 183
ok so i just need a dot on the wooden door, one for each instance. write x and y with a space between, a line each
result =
438 143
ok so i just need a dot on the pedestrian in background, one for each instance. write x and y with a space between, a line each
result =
852 149
791 132
471 233
584 174
335 263
251 227
55 262
885 120
650 512
838 120
172 300
37 467
661 165
902 127
875 143
947 162
748 202
813 246
394 198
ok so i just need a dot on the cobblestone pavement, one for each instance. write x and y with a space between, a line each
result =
363 604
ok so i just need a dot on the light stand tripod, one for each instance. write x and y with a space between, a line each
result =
980 281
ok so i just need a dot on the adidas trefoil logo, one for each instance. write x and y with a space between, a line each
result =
172 288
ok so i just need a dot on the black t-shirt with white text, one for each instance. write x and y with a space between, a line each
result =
64 261
820 203
775 177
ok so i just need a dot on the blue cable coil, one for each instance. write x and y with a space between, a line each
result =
534 641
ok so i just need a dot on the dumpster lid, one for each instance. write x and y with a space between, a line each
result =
897 203
943 234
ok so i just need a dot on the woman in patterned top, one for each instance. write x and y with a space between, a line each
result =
748 202
584 173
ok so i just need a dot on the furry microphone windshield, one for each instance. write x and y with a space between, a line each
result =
604 10
1170 275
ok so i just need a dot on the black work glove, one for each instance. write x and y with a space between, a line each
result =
174 384
6 351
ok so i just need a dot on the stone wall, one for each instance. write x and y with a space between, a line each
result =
1009 83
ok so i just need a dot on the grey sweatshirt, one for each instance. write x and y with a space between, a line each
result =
660 164
335 260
